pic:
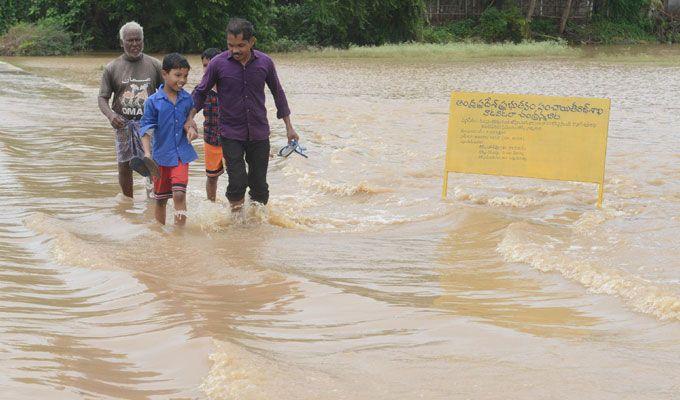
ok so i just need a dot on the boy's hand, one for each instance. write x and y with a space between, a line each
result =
192 134
189 125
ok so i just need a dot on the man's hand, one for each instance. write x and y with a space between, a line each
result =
292 135
290 131
118 122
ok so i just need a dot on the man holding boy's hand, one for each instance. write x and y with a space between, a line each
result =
240 75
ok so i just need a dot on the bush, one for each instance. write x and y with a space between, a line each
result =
463 29
627 10
289 22
544 28
44 38
492 25
343 23
452 32
602 31
283 45
501 26
437 34
12 12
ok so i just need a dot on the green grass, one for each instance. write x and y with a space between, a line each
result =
471 51
656 54
44 38
453 51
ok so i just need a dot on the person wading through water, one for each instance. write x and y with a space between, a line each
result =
240 75
131 78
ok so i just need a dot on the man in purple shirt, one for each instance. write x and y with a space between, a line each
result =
240 75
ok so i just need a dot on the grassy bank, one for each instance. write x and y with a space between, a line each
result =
45 38
453 51
656 54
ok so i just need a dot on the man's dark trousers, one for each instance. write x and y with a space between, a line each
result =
257 156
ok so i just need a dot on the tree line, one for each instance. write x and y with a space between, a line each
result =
54 26
182 26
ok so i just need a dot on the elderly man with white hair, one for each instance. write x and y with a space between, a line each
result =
131 78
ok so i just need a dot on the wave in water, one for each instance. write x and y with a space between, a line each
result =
586 224
168 259
514 201
341 190
305 213
67 247
238 373
523 244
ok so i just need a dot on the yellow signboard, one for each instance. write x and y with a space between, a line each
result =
546 137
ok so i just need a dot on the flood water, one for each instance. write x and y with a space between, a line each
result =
358 281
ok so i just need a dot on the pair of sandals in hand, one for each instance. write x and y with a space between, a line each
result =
293 147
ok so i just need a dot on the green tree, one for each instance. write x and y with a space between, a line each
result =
621 10
168 24
178 26
11 12
345 22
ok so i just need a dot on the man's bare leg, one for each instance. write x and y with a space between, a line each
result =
159 210
211 188
236 206
125 178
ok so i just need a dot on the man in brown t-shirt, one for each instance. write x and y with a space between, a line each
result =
131 78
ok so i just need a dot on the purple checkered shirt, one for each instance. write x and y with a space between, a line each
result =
240 91
211 114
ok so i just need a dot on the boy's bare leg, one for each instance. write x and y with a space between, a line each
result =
159 211
125 178
180 201
211 188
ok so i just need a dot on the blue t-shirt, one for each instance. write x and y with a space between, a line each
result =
170 144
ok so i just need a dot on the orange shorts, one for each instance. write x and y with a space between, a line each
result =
172 179
213 160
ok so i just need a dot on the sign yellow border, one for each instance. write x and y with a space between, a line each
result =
546 137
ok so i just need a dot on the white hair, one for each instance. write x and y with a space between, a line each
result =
130 26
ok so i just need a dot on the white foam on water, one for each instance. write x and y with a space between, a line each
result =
308 212
523 244
516 201
210 216
340 189
513 201
591 219
68 249
159 253
241 374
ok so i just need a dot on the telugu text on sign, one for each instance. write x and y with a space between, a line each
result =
546 137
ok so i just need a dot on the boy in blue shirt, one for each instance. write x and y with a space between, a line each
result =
164 115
